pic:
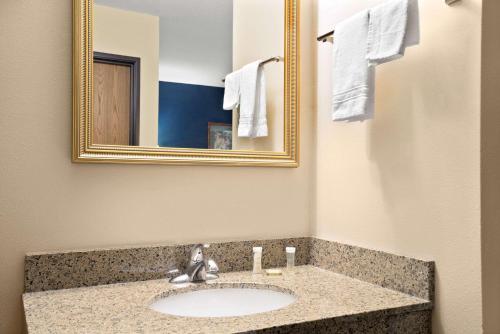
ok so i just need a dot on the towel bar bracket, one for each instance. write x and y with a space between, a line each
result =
324 38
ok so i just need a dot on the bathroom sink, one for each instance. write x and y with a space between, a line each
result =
222 302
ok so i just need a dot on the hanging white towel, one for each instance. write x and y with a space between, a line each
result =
260 119
378 35
394 26
353 79
232 91
246 88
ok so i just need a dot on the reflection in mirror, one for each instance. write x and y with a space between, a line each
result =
189 74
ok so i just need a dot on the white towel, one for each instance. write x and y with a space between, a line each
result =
367 39
353 79
246 88
231 91
394 26
260 121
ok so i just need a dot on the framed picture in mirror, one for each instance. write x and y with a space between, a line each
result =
220 136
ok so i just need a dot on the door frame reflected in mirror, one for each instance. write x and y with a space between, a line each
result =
133 64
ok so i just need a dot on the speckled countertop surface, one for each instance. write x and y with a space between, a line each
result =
123 308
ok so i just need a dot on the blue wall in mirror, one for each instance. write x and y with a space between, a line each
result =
185 111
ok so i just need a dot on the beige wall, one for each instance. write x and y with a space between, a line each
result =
47 202
408 182
262 22
490 167
137 35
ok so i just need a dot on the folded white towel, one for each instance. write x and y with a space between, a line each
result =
353 79
246 88
394 26
367 39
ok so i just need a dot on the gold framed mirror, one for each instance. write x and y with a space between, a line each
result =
115 120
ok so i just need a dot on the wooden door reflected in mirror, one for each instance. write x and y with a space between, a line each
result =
116 114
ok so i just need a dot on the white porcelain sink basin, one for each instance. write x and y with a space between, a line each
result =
222 302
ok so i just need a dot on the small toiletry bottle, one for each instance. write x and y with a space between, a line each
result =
257 260
290 257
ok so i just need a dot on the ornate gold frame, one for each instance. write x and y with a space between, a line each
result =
85 152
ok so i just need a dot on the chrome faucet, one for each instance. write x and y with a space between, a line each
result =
199 269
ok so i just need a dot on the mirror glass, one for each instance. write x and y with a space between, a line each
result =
196 74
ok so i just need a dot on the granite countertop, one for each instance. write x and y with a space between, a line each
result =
123 308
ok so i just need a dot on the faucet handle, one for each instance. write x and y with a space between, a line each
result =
212 270
212 266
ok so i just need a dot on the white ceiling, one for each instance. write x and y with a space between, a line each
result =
173 8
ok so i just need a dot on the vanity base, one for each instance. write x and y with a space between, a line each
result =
418 322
